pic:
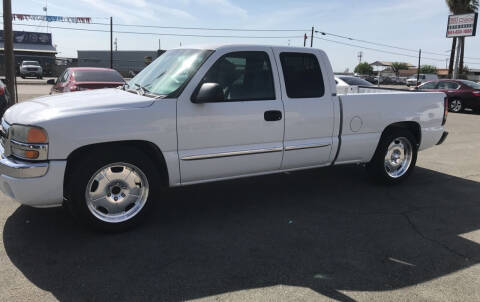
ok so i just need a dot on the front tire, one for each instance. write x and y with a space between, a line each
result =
111 190
395 157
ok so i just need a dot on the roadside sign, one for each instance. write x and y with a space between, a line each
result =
464 25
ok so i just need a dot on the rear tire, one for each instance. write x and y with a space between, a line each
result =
395 157
111 190
455 105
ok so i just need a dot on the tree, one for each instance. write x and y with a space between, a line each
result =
363 68
428 69
460 7
397 66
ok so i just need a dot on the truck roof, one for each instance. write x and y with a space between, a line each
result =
219 46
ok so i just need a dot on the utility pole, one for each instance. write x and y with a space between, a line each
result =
45 9
457 58
159 45
305 40
360 55
418 68
111 43
8 50
311 37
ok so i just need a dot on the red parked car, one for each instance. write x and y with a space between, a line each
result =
461 93
85 78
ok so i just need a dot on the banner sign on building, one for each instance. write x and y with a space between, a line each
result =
462 25
27 37
22 17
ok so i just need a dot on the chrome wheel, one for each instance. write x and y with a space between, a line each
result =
456 105
399 157
117 192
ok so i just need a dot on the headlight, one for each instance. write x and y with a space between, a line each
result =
28 134
28 142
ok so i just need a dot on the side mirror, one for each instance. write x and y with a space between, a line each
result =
51 82
209 93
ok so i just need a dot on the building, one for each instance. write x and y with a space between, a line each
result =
30 46
385 68
127 62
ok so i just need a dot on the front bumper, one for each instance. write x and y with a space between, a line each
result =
31 183
31 73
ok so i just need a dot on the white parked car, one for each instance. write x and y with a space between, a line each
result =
205 114
31 69
423 78
349 84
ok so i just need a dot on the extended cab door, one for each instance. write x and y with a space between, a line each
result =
239 134
308 98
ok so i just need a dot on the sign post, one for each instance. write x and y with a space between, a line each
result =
460 26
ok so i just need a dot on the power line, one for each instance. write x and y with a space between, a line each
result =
386 45
374 49
167 34
191 28
386 51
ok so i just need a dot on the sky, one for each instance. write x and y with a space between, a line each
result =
411 24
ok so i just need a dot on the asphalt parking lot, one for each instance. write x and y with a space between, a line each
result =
307 236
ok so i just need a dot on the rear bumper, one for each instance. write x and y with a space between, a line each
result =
443 138
33 184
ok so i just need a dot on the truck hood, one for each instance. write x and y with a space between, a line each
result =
74 103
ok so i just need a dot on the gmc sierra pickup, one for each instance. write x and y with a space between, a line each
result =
204 114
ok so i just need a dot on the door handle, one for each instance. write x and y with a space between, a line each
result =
272 115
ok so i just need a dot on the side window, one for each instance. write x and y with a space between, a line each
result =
452 85
442 85
243 76
429 85
303 76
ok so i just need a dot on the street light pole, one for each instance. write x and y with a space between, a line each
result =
8 51
111 43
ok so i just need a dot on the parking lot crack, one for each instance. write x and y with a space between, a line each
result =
436 242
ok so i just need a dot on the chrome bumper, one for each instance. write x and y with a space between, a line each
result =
21 169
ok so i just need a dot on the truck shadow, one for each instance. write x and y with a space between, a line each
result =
328 230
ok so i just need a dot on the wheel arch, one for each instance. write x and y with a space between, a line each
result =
149 148
412 126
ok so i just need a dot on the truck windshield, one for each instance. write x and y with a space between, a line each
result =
168 73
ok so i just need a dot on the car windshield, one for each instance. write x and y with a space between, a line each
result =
170 71
471 84
354 81
97 76
30 63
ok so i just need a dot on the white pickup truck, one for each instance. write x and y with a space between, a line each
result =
205 114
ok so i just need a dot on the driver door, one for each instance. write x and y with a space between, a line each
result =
240 134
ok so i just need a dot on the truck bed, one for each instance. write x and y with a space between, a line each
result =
365 116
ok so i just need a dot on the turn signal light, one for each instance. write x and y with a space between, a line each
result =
476 92
26 154
36 135
31 154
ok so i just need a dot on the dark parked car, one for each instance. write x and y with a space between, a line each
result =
4 98
461 93
85 78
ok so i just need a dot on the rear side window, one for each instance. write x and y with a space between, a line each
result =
303 76
97 76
